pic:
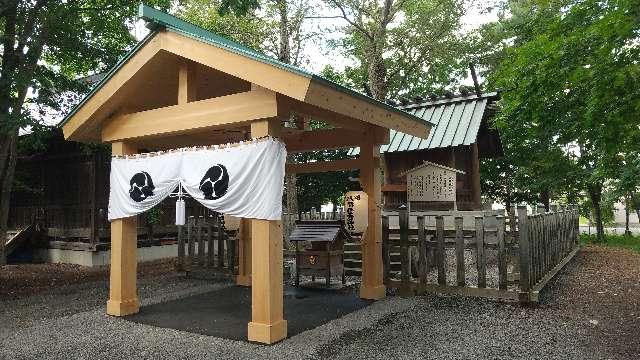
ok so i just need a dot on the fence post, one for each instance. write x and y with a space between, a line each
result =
442 275
422 248
386 249
502 254
523 245
405 264
460 275
180 264
480 258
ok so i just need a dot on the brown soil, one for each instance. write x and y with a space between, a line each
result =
29 279
601 289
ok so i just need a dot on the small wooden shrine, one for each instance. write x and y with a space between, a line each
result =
324 256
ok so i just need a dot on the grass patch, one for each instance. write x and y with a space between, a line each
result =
613 240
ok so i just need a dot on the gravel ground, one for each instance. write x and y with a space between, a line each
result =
591 312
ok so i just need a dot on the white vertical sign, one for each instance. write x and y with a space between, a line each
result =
355 211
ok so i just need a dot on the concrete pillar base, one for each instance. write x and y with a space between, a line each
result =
373 292
267 334
123 308
243 280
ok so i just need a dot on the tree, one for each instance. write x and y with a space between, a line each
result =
571 91
46 46
403 47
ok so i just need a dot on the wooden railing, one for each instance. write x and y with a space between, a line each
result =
475 254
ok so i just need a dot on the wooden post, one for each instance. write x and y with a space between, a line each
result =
372 286
405 261
441 256
422 248
123 292
502 255
475 176
386 249
480 258
523 243
460 275
244 253
267 310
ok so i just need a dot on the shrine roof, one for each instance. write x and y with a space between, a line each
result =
457 121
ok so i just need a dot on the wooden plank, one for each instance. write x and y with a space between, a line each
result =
323 166
502 255
405 261
551 274
201 255
422 248
523 246
221 238
460 274
190 245
441 256
480 258
323 139
194 116
187 82
180 264
210 242
386 266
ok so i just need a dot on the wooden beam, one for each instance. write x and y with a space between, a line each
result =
301 141
197 115
187 82
267 304
123 293
356 107
128 70
323 166
288 106
238 65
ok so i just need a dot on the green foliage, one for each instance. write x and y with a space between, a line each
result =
416 49
571 84
226 19
613 240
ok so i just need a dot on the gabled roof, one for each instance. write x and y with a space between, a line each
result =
429 163
457 121
304 86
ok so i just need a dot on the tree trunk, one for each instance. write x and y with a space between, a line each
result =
8 143
627 210
595 195
545 199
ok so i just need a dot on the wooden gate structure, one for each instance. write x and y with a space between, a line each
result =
494 256
185 86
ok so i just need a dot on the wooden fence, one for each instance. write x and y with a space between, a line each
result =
478 254
203 242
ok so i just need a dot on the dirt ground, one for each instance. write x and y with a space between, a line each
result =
22 280
602 287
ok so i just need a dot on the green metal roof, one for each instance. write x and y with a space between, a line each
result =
457 121
158 20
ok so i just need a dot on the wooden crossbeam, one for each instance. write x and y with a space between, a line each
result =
323 166
197 115
301 141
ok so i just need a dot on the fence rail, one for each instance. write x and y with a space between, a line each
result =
470 253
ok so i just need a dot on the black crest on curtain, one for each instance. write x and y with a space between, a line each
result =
141 186
215 182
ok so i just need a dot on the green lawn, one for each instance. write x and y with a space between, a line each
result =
621 241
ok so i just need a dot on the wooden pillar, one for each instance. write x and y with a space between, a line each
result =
244 253
123 293
475 177
372 286
267 309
